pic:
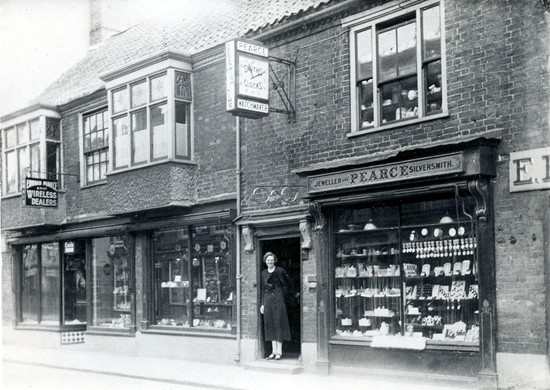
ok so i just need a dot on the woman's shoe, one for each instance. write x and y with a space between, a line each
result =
278 357
271 357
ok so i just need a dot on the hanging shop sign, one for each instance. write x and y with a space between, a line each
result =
530 170
41 192
247 78
389 173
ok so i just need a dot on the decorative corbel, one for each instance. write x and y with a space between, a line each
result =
315 211
248 238
305 227
480 191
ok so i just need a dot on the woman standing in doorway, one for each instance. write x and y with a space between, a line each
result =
275 284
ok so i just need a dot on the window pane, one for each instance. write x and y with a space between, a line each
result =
30 289
183 86
121 142
406 60
432 33
87 142
161 135
111 296
94 140
50 284
23 160
399 100
22 134
364 55
158 87
105 120
52 160
93 123
434 96
366 103
53 129
35 160
171 278
140 147
90 173
9 138
139 94
87 125
182 130
35 130
387 52
74 283
212 278
120 100
11 172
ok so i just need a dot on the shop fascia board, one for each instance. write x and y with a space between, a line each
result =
292 214
491 138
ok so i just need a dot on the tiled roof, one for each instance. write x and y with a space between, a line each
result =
187 31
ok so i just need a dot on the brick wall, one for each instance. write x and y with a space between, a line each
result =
497 80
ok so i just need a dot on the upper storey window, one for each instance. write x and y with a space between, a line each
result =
30 148
398 68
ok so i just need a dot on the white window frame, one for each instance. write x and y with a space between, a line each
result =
170 118
84 154
41 115
371 19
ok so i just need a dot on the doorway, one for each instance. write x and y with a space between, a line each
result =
288 252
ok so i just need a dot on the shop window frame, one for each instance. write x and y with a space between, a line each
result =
382 19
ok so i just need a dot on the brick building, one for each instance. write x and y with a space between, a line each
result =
400 178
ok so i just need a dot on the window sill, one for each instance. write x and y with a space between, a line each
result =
123 170
190 332
99 331
431 345
45 328
97 184
397 124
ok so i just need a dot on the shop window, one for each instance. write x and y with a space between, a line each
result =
407 269
193 278
151 121
31 149
74 283
112 290
40 284
95 146
397 68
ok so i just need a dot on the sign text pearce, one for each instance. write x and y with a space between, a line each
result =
381 174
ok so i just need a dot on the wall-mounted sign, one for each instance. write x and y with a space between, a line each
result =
40 192
530 170
247 78
389 173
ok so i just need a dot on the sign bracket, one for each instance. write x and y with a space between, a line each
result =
283 81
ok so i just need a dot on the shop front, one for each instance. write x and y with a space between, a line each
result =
409 264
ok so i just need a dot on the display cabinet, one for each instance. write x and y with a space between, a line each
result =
121 292
407 269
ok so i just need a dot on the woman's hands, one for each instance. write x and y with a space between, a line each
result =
262 309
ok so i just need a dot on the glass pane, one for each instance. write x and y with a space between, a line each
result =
52 160
387 52
93 123
111 295
9 137
22 134
35 160
35 130
74 282
94 140
53 129
183 86
23 159
182 130
100 143
433 92
212 282
139 94
140 147
87 142
432 33
96 172
51 280
406 59
399 100
103 170
87 125
121 142
90 173
161 134
364 55
366 101
120 100
30 289
105 120
158 87
11 172
171 278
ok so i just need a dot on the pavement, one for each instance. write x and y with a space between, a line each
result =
201 375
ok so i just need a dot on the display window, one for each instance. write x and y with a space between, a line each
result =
112 291
193 278
407 269
74 282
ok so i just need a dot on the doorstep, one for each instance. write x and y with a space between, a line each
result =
283 366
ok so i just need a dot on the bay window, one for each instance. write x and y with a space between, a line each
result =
397 68
150 120
31 148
